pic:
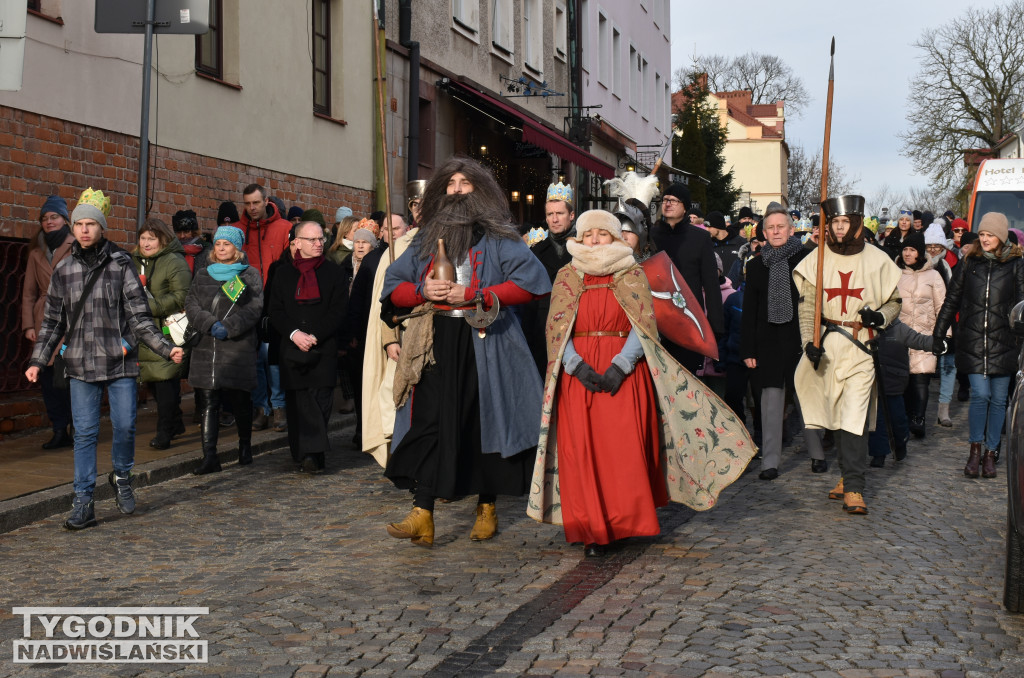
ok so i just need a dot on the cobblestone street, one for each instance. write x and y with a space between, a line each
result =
301 579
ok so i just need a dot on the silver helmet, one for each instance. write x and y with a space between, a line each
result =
632 221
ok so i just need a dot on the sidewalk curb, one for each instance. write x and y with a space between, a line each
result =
27 509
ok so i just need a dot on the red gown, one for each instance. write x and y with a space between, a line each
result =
609 468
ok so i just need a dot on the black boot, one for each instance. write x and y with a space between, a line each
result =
244 452
60 439
210 430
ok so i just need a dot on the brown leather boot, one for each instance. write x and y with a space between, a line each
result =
486 522
973 461
988 464
837 491
417 526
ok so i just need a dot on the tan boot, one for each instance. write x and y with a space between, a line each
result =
417 526
853 502
943 417
837 491
486 524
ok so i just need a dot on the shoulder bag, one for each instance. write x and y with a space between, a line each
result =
60 368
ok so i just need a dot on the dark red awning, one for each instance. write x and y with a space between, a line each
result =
536 133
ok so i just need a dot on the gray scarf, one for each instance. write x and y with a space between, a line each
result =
780 278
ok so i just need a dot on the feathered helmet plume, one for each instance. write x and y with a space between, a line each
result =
632 185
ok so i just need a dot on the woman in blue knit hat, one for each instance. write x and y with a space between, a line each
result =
50 245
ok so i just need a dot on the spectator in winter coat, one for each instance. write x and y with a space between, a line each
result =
986 286
895 366
224 305
727 243
186 228
100 350
922 291
938 249
48 248
160 262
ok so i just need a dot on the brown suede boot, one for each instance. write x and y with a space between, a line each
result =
973 461
486 524
837 491
417 526
988 464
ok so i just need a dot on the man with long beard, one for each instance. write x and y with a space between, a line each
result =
468 403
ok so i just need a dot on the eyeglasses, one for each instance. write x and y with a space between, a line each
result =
671 201
906 213
312 240
958 230
934 248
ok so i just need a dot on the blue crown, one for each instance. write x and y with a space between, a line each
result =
559 191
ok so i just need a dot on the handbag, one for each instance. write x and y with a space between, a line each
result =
61 380
181 332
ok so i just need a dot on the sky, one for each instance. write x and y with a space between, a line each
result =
875 60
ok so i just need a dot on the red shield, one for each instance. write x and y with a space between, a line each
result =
681 319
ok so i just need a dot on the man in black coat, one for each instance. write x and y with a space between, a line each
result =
550 251
308 297
690 249
727 243
770 338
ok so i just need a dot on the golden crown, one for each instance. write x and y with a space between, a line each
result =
559 191
96 199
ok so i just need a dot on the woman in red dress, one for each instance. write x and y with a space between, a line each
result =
611 480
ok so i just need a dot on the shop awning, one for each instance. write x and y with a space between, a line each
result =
537 134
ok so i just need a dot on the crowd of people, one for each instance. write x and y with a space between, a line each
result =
606 364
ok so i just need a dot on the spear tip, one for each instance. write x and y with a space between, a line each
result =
833 45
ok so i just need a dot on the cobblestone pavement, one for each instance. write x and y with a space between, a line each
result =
301 579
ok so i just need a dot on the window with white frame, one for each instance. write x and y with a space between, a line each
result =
645 90
658 106
634 78
502 35
466 14
561 30
533 38
667 110
616 57
584 36
604 49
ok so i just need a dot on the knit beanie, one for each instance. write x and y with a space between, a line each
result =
94 205
295 211
679 192
341 213
915 240
185 221
967 238
716 220
314 215
959 223
366 235
227 213
232 234
55 204
995 223
599 219
935 235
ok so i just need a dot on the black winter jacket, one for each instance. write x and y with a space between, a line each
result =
894 357
983 291
230 363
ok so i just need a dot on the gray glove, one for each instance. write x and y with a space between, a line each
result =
589 378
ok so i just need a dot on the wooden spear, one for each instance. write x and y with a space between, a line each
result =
822 226
378 57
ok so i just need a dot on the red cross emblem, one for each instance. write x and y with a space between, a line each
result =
844 290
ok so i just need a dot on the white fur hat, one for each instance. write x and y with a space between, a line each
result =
600 219
934 235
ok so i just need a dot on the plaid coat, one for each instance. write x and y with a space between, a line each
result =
104 344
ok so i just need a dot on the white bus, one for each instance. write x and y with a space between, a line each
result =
998 187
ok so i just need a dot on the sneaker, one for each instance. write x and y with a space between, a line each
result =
260 421
82 513
124 495
280 420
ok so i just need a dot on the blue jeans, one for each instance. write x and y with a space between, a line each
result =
85 408
878 440
987 411
947 377
263 370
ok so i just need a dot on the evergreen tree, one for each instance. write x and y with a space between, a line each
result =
698 114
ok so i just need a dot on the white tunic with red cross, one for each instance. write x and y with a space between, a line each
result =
839 394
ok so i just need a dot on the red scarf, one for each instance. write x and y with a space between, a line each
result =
308 289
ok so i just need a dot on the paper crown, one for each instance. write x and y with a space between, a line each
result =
96 199
559 191
369 225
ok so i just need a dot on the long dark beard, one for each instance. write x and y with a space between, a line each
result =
461 220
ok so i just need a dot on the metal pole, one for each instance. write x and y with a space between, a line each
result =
147 62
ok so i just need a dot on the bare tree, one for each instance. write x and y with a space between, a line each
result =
885 197
969 92
804 179
766 76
